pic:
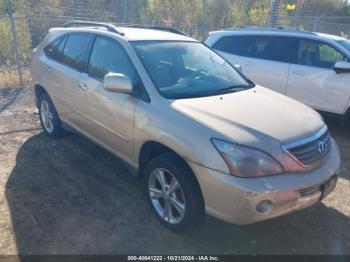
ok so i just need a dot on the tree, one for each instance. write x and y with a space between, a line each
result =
6 41
182 14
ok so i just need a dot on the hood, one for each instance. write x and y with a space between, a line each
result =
255 117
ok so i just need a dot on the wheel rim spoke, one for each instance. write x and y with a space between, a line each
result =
180 207
50 125
168 212
44 107
49 116
161 179
44 120
174 185
156 193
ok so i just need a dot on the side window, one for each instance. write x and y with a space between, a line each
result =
107 56
54 49
317 54
231 44
74 53
329 54
273 48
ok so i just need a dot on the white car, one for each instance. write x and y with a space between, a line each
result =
310 67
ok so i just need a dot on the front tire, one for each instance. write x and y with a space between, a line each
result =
173 192
49 119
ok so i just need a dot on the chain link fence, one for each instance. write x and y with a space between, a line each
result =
330 19
335 26
23 27
23 24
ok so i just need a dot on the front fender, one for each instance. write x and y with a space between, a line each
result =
188 138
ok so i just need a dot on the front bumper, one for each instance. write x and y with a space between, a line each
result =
248 200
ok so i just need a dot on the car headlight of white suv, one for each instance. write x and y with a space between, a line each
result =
244 161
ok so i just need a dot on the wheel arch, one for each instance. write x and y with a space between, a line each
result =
39 90
150 149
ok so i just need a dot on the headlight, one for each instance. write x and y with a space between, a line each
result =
246 161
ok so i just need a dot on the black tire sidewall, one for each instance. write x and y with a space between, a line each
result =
194 212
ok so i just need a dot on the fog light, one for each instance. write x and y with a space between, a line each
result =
264 206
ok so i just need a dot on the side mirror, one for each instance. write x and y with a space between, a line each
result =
342 67
117 83
238 67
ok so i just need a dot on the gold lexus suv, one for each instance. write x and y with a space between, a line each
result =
203 137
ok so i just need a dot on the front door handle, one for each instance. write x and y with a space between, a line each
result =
83 86
298 72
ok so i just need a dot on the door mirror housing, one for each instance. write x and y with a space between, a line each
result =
342 67
238 67
117 83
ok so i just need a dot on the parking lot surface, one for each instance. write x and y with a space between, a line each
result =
69 196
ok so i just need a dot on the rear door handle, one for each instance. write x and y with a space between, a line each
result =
249 64
49 69
83 86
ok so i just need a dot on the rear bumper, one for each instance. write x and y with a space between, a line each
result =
248 200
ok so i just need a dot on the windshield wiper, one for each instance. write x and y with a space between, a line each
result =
226 90
232 89
184 96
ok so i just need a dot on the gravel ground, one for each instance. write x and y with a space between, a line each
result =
69 196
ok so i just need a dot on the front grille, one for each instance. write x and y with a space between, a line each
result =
313 150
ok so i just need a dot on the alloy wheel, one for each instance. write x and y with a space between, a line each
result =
46 116
167 196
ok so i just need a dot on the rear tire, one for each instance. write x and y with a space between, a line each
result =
49 118
173 192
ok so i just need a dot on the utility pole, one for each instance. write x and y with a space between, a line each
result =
15 43
273 14
315 27
205 19
125 11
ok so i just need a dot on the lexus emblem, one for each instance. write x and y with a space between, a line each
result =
322 147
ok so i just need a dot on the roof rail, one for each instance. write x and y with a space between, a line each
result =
278 28
293 29
109 27
154 27
286 28
112 27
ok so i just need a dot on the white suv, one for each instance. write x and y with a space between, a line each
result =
311 67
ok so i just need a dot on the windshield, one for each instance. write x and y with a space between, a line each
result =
345 43
188 69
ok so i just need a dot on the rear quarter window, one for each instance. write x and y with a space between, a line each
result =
54 50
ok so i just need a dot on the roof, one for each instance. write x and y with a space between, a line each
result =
138 34
277 31
131 32
333 37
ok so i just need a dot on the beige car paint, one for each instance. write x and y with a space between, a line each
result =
257 117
